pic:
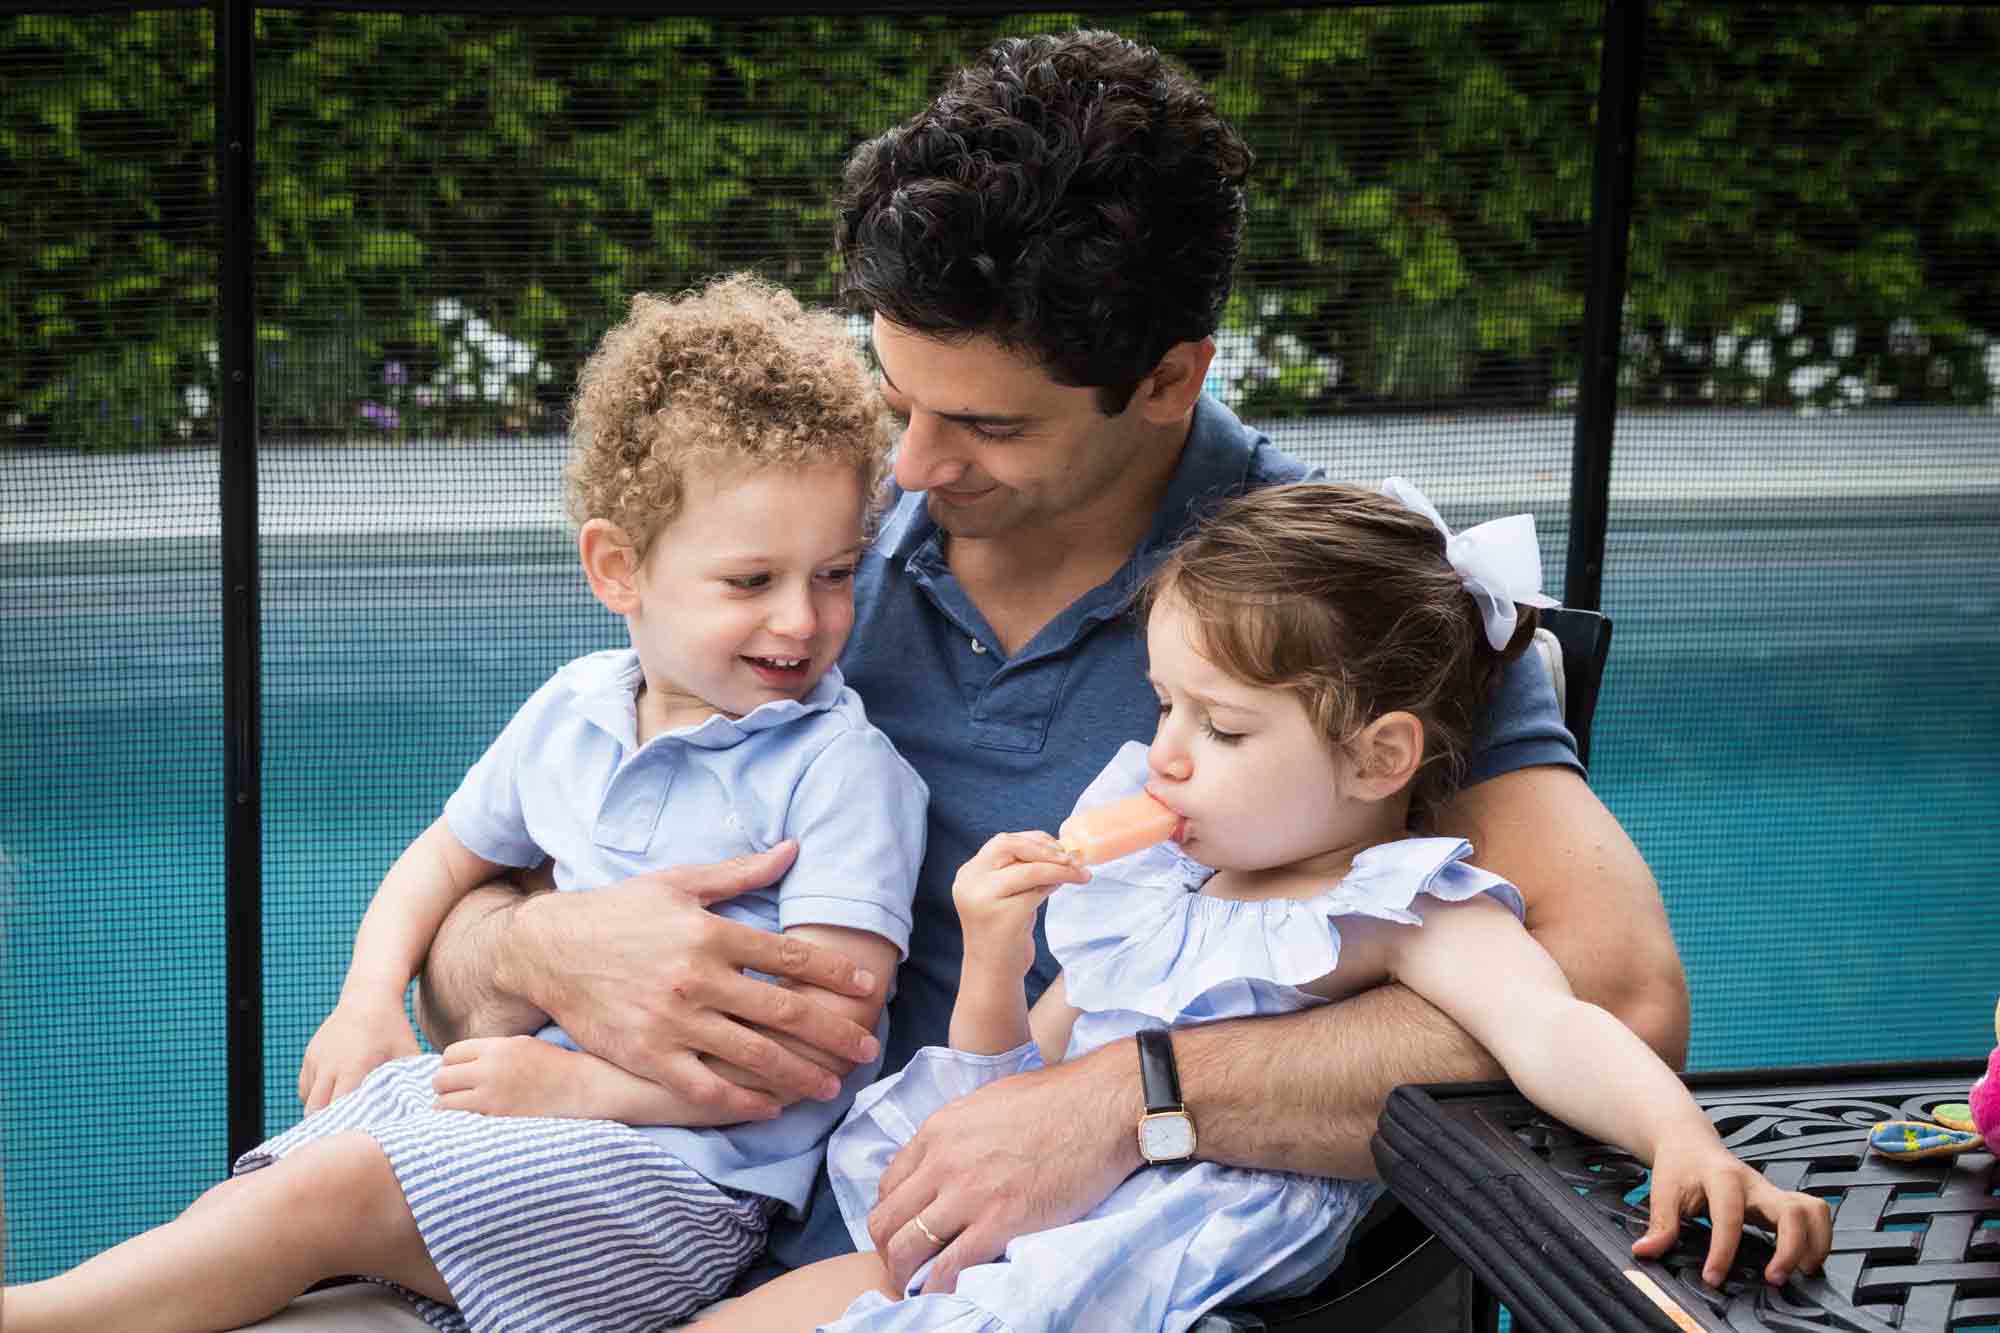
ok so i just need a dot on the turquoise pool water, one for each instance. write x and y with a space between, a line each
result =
1815 791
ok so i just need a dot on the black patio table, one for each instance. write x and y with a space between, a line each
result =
1542 1214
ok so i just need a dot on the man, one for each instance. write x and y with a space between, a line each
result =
1046 250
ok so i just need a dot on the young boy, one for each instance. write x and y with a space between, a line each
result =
727 448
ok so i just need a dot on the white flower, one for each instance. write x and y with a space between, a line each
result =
1674 338
1708 388
196 399
1757 358
463 390
1270 306
426 395
1725 348
1788 317
17 419
447 311
1904 340
212 353
1806 381
544 372
1852 391
183 428
1330 369
493 385
1991 365
1843 341
1290 348
1799 348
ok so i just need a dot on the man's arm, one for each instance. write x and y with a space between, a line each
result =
1300 1092
643 975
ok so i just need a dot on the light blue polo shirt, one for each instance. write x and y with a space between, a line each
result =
567 779
1007 743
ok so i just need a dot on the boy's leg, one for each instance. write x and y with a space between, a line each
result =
247 1248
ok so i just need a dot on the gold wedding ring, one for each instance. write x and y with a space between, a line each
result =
929 1235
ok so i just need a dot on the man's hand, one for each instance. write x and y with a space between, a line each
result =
978 1181
641 974
353 1039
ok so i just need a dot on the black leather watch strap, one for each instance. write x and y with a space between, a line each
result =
1159 1077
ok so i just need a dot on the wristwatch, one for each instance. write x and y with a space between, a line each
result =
1166 1130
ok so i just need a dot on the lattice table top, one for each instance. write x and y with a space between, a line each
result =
1551 1214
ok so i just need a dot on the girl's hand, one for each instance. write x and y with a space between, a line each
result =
1687 1174
356 1037
998 890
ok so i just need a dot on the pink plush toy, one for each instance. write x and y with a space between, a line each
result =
1985 1096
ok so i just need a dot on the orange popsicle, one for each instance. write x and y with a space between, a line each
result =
1118 829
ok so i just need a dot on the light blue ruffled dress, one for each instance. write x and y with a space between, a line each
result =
1141 947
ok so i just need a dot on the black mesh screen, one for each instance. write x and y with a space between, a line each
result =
1804 560
1803 564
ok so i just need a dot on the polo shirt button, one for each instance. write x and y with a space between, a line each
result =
978 647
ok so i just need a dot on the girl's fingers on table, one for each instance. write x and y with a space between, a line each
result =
1725 1216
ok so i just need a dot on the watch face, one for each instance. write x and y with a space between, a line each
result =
1166 1136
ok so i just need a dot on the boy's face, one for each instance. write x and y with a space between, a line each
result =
1001 449
747 596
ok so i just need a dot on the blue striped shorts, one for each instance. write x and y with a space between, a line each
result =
543 1224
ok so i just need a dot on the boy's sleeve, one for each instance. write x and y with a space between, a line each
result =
858 813
1524 726
486 812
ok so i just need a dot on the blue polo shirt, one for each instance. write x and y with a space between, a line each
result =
567 779
1006 743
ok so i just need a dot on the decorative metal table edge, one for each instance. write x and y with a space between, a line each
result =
1546 1216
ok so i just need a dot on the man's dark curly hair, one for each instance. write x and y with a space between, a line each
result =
1074 197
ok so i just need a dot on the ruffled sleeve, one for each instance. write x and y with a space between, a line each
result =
1138 937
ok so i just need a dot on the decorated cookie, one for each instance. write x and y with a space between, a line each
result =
1955 1115
1908 1140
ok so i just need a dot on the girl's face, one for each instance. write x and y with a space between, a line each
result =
1243 765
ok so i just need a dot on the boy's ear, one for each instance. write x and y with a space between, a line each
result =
1167 395
1388 753
611 563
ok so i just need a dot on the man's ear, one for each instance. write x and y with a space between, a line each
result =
1167 395
1388 753
611 563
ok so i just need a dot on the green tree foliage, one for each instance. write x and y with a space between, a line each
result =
450 209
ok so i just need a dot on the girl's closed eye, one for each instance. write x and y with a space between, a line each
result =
1218 735
747 582
838 574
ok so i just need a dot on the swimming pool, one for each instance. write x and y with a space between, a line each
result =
1798 729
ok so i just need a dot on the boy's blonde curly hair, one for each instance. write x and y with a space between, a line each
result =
738 371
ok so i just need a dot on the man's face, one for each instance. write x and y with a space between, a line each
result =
1001 450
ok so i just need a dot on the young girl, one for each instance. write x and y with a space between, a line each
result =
1321 654
727 448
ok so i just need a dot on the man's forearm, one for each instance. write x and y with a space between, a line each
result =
461 993
1301 1092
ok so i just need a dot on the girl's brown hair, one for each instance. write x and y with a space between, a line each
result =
1344 597
737 371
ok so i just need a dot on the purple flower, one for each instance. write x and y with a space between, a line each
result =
383 418
395 373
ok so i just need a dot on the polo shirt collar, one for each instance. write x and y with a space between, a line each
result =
604 690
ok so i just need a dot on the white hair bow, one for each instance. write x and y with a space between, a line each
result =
1500 561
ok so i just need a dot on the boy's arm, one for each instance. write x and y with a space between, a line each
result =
1301 1092
368 1024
